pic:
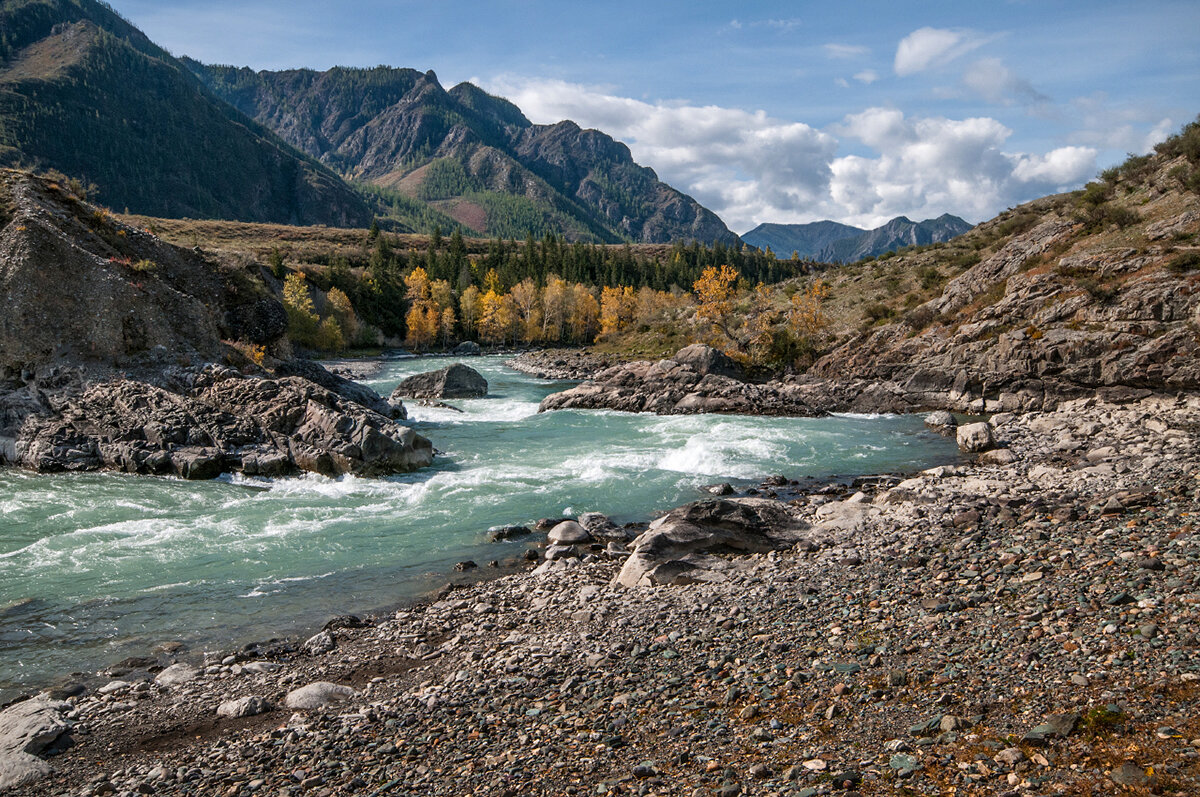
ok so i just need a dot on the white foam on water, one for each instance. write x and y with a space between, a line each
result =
864 416
484 410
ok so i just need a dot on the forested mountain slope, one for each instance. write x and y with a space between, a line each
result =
84 92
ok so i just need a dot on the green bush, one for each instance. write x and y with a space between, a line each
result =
1188 261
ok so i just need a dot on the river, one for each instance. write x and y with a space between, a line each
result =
97 567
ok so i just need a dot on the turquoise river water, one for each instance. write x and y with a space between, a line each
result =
97 567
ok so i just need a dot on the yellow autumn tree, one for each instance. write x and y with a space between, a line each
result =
302 316
584 314
447 325
807 317
340 307
421 332
491 318
555 305
617 307
468 306
524 297
715 291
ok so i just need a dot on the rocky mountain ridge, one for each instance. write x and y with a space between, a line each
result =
471 155
833 242
1090 291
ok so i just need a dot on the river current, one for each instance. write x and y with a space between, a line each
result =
98 567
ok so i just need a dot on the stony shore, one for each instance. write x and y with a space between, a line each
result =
1025 628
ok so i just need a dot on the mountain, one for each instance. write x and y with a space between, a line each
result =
897 233
84 92
806 240
831 242
468 154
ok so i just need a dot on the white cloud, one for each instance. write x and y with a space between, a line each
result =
929 166
749 167
867 76
927 48
845 51
1057 167
1128 128
995 82
740 164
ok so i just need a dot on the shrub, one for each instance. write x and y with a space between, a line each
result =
1100 216
1100 292
919 318
1188 261
1095 193
877 311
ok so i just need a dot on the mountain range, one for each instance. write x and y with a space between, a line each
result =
85 93
472 156
833 242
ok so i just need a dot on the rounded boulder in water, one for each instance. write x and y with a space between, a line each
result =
569 533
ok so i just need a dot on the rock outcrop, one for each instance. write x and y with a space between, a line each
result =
1063 307
681 547
199 423
674 387
453 381
109 344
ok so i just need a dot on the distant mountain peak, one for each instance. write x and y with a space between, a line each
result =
831 241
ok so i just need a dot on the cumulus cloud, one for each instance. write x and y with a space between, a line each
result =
867 76
749 167
736 162
927 48
995 82
928 166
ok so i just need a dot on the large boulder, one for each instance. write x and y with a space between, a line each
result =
706 360
683 546
318 695
453 381
975 437
468 348
26 729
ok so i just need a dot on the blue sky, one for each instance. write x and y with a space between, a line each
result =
775 111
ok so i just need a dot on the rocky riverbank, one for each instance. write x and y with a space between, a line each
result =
564 364
1019 628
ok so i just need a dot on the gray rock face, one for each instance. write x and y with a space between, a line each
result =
569 533
453 381
1005 336
941 422
681 546
27 729
346 388
318 695
975 437
200 422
